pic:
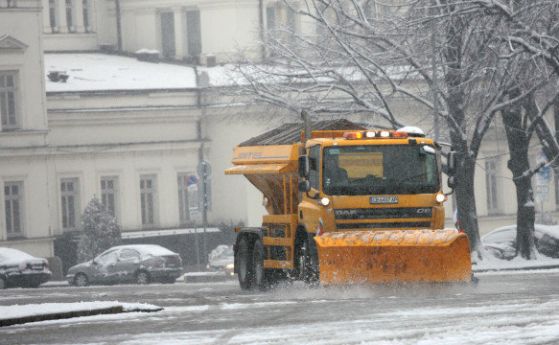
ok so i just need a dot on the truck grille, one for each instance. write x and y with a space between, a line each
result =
344 226
381 213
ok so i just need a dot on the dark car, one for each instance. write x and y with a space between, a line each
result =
140 264
501 242
18 268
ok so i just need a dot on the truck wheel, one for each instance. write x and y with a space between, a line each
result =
245 269
306 263
258 265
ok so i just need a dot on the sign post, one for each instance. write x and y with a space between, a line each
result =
543 177
205 172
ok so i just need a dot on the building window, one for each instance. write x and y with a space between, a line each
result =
69 193
69 17
147 199
109 193
491 186
193 34
291 20
13 203
8 97
271 20
86 12
52 15
369 8
168 34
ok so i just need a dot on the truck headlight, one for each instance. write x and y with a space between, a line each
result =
325 201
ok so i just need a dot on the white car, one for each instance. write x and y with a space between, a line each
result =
139 263
222 258
501 242
18 268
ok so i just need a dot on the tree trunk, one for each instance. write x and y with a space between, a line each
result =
465 197
466 202
518 142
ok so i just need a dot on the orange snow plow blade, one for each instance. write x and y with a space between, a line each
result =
393 256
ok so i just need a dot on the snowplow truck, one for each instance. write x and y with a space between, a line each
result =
347 205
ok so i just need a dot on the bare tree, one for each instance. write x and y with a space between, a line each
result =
446 57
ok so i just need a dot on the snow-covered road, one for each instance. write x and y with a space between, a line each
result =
503 309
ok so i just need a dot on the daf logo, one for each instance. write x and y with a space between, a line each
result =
423 210
346 213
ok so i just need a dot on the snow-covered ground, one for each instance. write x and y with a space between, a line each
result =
491 263
504 308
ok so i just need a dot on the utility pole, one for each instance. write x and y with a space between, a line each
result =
261 30
118 25
435 84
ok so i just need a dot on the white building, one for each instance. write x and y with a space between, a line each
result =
23 129
132 133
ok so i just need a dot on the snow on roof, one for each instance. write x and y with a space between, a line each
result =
102 72
147 249
105 72
164 232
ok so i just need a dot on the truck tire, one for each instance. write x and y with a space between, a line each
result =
258 265
244 259
306 263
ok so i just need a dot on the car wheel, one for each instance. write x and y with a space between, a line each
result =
34 285
169 281
142 278
81 280
3 283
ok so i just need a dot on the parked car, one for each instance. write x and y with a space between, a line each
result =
139 264
501 242
18 268
221 258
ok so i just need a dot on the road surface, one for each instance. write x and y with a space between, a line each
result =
511 308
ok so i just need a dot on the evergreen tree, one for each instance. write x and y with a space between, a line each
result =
99 231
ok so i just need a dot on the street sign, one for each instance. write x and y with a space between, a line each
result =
204 169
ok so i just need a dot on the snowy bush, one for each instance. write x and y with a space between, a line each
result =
99 231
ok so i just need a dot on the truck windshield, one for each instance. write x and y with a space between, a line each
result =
386 169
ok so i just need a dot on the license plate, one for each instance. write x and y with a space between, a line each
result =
383 200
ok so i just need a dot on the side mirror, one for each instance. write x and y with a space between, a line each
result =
304 186
304 168
451 163
451 182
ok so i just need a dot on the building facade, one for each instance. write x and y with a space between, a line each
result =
82 124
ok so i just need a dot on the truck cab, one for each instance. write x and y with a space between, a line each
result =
375 180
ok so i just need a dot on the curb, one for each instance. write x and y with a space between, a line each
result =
527 268
118 309
65 315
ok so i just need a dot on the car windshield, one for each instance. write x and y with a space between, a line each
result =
386 169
